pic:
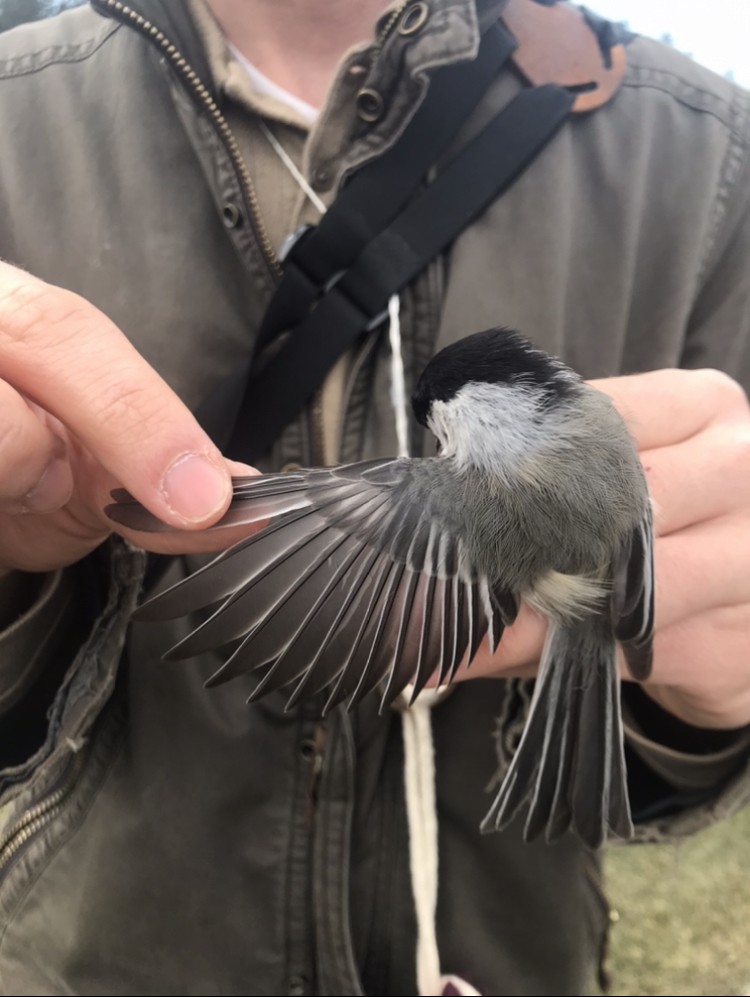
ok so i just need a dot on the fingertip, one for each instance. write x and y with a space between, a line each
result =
195 490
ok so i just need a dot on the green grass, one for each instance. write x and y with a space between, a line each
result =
682 915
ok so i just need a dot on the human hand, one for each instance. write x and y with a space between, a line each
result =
693 433
81 412
692 429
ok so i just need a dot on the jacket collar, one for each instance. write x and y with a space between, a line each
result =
167 23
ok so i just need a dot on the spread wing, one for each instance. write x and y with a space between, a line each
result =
356 580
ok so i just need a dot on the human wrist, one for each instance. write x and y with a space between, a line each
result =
710 708
688 758
656 721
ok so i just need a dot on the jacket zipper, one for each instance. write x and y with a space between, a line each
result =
39 816
393 18
193 83
317 756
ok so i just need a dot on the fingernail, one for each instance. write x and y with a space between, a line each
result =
194 488
53 489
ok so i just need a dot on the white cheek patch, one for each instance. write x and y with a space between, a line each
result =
493 426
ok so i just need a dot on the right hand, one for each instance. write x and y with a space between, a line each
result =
80 413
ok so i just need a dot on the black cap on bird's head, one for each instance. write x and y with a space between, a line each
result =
493 356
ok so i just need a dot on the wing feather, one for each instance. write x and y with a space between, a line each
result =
460 627
257 608
401 669
359 648
355 583
326 624
311 666
634 599
429 634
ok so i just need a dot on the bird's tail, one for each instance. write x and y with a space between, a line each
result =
569 766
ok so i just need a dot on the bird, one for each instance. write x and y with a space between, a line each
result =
381 576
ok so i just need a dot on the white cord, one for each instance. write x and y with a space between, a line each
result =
419 754
287 160
419 774
398 378
421 813
419 761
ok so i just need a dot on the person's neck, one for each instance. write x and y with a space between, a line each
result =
297 43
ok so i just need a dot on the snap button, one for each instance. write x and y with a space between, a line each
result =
413 18
369 104
231 214
308 749
322 178
296 986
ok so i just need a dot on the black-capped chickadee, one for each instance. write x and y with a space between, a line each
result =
383 573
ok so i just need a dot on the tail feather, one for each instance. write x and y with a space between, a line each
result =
569 767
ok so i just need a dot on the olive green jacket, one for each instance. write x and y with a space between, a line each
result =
162 839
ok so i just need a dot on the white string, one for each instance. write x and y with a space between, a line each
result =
287 160
398 378
421 813
419 754
419 766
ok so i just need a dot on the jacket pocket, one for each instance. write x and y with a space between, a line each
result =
39 822
107 590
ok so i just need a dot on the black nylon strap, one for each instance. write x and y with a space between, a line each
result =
375 194
429 223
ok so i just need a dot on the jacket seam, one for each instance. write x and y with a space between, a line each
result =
53 55
688 94
332 889
731 170
732 115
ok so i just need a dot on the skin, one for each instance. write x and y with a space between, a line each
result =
77 402
268 31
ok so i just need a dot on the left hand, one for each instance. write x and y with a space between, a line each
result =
692 429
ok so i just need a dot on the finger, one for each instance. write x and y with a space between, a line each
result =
702 478
701 568
668 406
59 350
693 676
36 474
